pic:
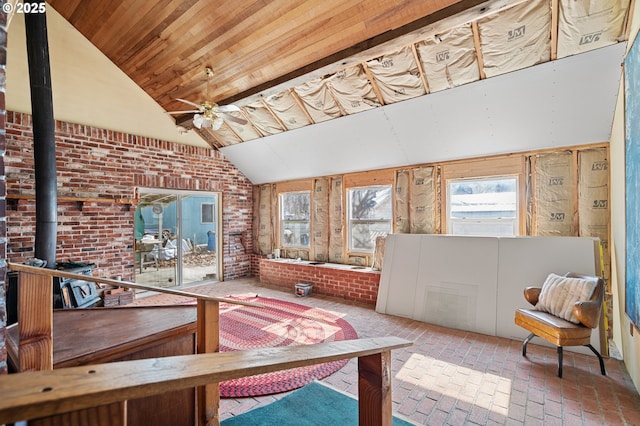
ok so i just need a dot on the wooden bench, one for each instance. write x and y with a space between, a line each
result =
39 394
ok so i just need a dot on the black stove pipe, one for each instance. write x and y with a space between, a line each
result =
44 146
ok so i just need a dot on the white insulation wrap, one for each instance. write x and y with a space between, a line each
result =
321 219
397 76
554 194
352 89
402 202
423 201
265 231
449 59
227 137
287 109
262 119
590 24
336 226
246 132
517 38
318 100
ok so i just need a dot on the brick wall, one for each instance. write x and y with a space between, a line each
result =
360 285
3 191
104 164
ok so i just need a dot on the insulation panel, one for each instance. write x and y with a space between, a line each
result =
449 59
321 219
287 110
353 90
397 76
554 194
516 38
318 100
336 224
402 222
590 24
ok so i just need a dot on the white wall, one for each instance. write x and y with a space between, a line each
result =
628 344
87 87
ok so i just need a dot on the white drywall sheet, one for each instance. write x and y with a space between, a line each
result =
476 283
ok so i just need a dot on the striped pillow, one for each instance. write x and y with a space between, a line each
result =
559 294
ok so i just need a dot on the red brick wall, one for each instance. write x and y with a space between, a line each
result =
360 285
3 202
98 163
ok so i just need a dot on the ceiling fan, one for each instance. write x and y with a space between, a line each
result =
210 114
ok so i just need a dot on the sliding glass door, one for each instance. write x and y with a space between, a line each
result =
177 238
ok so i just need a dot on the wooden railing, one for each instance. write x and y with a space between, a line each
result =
45 393
35 323
39 391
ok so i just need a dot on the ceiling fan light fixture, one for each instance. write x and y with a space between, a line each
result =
198 121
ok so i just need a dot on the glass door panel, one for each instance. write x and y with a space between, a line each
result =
176 238
199 238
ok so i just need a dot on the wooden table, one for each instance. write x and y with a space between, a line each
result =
99 335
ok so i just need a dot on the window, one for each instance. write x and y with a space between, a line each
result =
294 219
486 206
206 213
370 216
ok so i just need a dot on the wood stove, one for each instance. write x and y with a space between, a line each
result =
72 293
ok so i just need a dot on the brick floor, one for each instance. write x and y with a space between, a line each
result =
454 377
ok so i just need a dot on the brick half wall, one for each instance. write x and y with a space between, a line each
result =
359 285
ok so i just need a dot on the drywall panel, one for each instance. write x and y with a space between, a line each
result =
441 279
476 283
556 104
526 261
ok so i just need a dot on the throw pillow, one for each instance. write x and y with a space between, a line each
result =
559 294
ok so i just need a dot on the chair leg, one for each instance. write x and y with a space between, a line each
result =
595 351
560 361
524 344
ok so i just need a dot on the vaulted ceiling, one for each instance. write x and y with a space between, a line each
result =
290 64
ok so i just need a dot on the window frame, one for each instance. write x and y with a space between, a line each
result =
349 220
213 213
515 221
282 221
486 168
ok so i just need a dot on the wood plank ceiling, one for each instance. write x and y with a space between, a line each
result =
262 49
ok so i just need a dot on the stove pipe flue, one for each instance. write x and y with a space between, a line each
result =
44 146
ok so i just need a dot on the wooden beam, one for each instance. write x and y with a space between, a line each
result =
423 77
476 42
44 393
372 80
297 99
127 284
554 29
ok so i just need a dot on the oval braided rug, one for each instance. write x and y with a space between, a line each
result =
280 323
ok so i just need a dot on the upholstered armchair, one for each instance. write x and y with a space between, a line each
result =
565 311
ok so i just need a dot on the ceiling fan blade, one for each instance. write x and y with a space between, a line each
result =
234 119
217 123
227 108
189 103
182 112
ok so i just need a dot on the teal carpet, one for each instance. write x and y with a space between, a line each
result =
312 405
